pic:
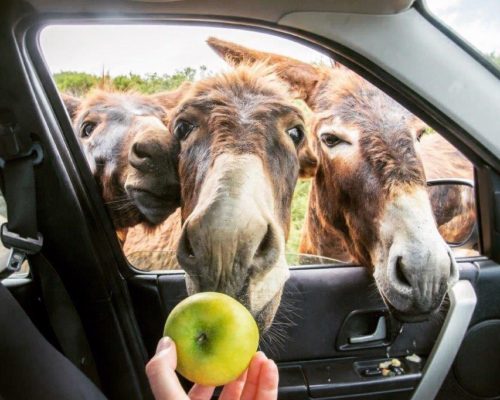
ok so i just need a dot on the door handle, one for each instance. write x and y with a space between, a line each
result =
380 333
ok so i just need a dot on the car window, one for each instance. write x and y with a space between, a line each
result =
131 91
478 22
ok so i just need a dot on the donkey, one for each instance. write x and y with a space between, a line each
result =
454 206
368 200
130 153
153 250
241 148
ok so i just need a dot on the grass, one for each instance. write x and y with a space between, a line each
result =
299 207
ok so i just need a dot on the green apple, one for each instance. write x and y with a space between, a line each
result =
215 336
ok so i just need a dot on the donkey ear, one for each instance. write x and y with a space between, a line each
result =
302 77
72 104
170 99
308 161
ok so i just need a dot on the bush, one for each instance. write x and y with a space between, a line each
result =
75 83
79 83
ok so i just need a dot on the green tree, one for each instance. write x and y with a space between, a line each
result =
75 83
494 58
79 83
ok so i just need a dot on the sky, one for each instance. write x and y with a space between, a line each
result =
477 21
165 49
152 48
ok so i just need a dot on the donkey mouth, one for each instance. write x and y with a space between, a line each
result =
155 208
265 316
412 315
408 316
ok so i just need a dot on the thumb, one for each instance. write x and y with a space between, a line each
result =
161 372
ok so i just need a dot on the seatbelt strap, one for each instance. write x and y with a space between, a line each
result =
18 156
63 317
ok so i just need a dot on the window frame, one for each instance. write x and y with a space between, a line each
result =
368 70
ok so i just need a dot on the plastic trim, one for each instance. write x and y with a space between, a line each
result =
462 304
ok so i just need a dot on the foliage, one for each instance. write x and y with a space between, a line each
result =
75 83
494 58
299 207
79 83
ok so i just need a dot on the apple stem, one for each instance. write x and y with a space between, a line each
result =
202 338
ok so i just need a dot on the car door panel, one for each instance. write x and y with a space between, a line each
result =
316 303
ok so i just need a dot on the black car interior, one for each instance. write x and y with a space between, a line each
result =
83 322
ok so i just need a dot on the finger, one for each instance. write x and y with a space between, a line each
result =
233 390
200 392
268 382
161 372
250 388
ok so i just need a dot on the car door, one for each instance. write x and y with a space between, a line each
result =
332 315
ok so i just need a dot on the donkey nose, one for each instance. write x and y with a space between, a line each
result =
423 279
218 245
145 154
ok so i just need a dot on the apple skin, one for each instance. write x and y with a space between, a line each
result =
215 337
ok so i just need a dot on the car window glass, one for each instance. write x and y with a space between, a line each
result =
116 76
478 22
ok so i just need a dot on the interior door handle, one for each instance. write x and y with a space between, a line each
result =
380 333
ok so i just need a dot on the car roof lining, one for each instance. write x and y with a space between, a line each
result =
265 10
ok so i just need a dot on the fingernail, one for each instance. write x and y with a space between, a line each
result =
164 343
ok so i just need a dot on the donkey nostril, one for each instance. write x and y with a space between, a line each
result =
188 248
266 243
400 272
141 150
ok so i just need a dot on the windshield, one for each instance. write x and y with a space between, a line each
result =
477 22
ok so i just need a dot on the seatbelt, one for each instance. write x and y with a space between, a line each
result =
18 156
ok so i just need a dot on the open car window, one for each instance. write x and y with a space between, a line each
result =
120 83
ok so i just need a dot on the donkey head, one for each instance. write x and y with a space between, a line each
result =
130 152
242 148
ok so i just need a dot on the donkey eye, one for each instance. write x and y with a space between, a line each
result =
420 133
183 129
330 140
87 128
296 134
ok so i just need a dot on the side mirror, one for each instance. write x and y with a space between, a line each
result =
454 207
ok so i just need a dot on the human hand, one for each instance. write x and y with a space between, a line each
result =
258 382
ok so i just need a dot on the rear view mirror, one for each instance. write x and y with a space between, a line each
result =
453 204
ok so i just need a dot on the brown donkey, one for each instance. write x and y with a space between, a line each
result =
369 199
242 149
130 153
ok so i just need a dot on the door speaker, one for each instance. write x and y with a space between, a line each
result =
477 365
